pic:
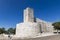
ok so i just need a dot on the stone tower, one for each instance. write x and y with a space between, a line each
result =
28 28
28 15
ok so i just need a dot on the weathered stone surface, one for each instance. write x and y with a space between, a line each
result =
27 29
28 15
31 26
45 26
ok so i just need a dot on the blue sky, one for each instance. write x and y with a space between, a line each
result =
11 11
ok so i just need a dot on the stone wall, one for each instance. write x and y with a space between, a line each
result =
27 29
28 15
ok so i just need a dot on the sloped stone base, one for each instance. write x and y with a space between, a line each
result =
27 29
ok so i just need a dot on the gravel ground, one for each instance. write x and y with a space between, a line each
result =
54 37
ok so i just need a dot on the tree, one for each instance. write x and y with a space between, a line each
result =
14 30
2 30
56 26
11 30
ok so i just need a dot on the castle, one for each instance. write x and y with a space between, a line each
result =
32 26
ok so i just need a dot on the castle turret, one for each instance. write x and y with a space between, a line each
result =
28 15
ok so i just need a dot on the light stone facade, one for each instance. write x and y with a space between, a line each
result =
27 29
28 15
32 26
45 26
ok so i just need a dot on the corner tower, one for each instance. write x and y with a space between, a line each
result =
28 15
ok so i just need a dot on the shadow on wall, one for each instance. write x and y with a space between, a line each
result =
34 19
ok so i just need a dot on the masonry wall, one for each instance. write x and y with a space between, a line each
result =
28 15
